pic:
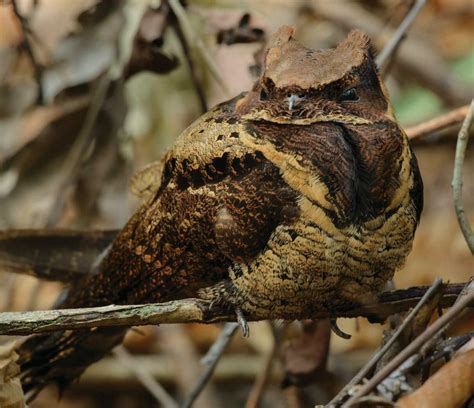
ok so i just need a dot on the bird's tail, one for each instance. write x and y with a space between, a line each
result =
63 356
60 357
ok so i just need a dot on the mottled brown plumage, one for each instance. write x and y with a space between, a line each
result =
296 196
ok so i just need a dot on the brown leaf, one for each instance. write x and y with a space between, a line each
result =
305 356
63 255
449 387
414 328
83 55
148 52
243 33
11 393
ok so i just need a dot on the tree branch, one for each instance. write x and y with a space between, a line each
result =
461 147
26 45
429 294
210 361
427 337
144 376
417 57
455 117
195 311
392 45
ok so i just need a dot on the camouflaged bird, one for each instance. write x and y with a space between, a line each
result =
292 198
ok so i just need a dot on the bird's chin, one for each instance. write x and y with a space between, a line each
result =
294 119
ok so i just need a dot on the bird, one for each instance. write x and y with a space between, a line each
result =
295 197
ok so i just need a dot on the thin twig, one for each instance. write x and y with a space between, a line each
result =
450 316
109 373
461 146
399 34
210 361
417 57
417 358
76 153
192 311
7 290
185 361
194 40
132 14
192 68
434 288
262 379
446 120
37 68
155 388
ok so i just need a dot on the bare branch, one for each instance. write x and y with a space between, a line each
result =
417 56
109 373
455 117
390 48
263 377
191 66
210 361
195 42
71 164
379 354
461 146
439 326
194 311
37 68
62 255
145 378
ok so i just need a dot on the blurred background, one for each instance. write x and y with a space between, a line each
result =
91 91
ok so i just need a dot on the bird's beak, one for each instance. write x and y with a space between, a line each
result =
293 101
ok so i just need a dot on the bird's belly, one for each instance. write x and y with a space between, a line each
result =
311 266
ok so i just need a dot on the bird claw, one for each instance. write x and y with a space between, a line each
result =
335 328
242 321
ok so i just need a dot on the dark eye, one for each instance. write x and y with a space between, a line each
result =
349 94
263 95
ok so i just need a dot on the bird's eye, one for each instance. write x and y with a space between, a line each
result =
263 95
349 94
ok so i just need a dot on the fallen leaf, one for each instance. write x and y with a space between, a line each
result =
305 356
450 387
11 393
242 33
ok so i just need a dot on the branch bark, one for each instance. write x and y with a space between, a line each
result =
427 337
392 45
461 148
195 311
429 294
455 117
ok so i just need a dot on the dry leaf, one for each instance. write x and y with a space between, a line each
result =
62 255
64 15
449 387
11 393
305 357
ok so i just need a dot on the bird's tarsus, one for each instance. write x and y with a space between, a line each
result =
242 321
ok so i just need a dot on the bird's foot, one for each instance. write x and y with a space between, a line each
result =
336 329
242 321
224 294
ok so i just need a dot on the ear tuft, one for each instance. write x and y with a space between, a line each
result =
358 40
283 35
